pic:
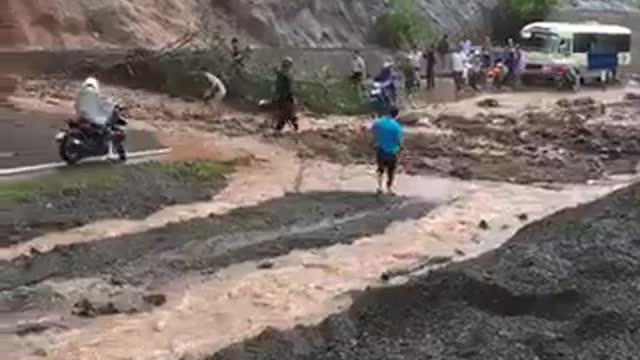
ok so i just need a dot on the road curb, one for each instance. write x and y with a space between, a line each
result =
52 166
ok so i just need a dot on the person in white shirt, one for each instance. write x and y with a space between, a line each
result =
359 69
458 64
415 58
216 89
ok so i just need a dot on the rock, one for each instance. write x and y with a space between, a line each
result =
412 118
160 325
155 299
104 301
564 103
488 103
483 225
462 172
37 327
265 265
40 352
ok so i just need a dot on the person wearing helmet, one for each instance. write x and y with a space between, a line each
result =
91 107
386 80
284 98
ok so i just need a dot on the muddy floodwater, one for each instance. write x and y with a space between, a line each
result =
295 236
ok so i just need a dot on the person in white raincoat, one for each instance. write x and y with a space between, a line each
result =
216 89
92 107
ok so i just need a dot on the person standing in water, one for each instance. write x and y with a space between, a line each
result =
387 134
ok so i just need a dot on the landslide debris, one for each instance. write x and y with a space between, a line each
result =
562 288
77 196
569 143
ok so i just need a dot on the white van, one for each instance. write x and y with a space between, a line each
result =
552 43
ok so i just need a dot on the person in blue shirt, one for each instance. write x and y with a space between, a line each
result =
387 134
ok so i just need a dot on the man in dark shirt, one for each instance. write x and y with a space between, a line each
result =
443 52
430 57
284 98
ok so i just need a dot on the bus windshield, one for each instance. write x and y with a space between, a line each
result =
540 42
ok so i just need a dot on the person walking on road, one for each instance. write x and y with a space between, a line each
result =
458 65
359 70
430 57
284 98
443 52
415 59
388 135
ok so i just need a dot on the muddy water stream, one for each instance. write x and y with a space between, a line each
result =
207 312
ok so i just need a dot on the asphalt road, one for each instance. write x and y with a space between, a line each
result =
27 138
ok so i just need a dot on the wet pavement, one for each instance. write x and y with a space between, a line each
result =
27 138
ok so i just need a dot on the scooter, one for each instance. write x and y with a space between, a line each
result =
83 139
565 78
381 98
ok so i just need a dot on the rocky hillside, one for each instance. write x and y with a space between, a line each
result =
301 23
151 23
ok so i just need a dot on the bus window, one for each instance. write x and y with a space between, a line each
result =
564 47
541 42
583 43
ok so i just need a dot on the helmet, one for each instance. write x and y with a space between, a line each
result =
287 61
91 82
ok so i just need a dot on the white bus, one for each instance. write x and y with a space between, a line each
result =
552 43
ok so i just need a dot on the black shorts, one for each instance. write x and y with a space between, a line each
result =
357 77
386 162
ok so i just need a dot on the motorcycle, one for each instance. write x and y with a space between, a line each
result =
381 98
82 139
565 78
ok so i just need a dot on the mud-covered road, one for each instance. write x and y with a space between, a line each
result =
79 195
28 138
561 288
569 143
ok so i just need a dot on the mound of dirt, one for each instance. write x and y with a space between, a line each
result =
561 145
80 196
561 288
273 228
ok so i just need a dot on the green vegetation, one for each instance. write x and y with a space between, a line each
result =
532 10
102 177
72 179
178 74
405 25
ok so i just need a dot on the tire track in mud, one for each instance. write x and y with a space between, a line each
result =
564 287
272 228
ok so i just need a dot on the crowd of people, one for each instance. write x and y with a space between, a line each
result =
469 65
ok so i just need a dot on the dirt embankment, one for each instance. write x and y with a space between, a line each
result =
570 143
270 229
78 196
561 288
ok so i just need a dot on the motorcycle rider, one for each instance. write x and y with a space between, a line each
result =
386 81
90 106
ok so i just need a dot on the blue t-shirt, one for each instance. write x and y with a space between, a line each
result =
388 135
